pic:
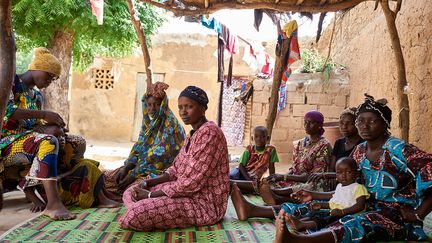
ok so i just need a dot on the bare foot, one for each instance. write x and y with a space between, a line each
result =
266 193
58 211
281 229
37 204
298 224
241 206
105 202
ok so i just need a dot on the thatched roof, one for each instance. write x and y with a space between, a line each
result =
199 7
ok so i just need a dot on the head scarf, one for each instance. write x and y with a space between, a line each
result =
378 107
317 117
157 90
159 142
349 111
43 60
196 94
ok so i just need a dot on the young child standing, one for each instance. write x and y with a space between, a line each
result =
348 198
257 159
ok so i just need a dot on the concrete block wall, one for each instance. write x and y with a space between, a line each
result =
305 92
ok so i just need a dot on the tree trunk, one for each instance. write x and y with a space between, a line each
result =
7 64
280 63
402 99
56 95
143 42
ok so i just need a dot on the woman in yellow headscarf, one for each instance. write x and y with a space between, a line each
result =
19 143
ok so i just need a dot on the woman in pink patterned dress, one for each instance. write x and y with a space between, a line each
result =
194 190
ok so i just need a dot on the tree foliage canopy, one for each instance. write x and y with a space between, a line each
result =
36 21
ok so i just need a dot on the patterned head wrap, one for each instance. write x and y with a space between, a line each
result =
196 94
349 111
157 90
317 117
43 60
378 107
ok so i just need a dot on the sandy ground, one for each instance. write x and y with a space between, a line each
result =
111 155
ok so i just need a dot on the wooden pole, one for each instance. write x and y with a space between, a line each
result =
280 63
402 99
7 64
143 41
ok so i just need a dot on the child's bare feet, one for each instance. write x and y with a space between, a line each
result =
266 193
241 206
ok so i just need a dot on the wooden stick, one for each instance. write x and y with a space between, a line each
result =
143 42
7 63
252 4
402 99
280 63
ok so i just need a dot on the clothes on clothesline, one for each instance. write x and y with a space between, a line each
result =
290 30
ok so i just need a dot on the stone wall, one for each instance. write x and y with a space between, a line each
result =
184 59
305 92
362 43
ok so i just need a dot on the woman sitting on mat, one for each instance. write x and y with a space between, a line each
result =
20 145
311 156
81 183
194 190
160 140
398 176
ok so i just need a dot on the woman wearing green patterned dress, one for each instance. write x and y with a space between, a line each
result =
159 142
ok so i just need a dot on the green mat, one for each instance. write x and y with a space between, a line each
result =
100 225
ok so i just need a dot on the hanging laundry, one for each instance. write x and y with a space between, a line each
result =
211 23
246 92
97 10
290 30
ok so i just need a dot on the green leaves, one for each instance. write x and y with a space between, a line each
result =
36 21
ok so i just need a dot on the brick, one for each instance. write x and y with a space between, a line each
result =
289 122
258 121
291 86
314 87
296 135
279 134
340 100
336 88
261 97
283 147
257 109
300 110
258 85
295 98
287 112
331 111
319 98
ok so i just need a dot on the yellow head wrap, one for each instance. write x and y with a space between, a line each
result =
45 61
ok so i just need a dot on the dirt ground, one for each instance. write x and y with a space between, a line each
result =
111 155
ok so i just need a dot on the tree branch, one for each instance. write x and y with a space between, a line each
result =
7 63
402 99
143 42
253 4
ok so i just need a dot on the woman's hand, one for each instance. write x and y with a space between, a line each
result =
302 196
53 118
138 193
126 182
123 172
336 213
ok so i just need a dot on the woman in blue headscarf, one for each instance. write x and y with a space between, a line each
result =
159 142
